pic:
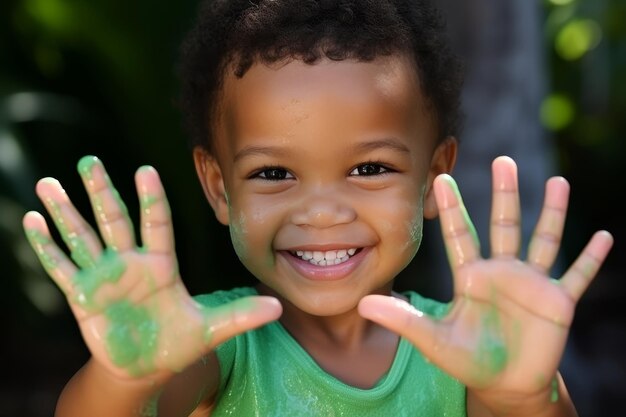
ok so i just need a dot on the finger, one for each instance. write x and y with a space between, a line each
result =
405 320
157 233
109 209
52 258
77 234
505 234
546 239
580 274
244 314
458 231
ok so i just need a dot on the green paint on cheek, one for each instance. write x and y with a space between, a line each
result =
132 336
237 229
108 269
491 355
415 231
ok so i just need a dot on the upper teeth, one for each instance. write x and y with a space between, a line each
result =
331 257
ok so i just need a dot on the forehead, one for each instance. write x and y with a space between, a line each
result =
268 99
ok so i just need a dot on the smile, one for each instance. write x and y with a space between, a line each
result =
326 258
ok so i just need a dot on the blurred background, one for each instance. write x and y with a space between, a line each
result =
546 85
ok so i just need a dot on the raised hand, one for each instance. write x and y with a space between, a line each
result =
134 313
508 324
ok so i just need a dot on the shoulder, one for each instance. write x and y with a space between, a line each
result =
220 297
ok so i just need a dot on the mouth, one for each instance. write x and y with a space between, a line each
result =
325 258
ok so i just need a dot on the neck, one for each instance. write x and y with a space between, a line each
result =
353 349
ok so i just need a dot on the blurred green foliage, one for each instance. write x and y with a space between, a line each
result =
586 47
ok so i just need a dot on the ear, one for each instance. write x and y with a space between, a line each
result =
210 176
442 162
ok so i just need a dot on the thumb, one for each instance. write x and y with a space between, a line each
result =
247 313
402 318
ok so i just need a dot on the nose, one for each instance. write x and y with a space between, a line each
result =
322 212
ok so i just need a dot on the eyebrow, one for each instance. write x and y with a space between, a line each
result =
253 150
363 147
385 143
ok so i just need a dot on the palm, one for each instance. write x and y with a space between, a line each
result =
502 314
508 323
134 313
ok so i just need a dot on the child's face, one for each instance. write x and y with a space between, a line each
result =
329 158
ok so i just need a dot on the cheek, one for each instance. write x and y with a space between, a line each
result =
239 233
415 227
403 221
252 232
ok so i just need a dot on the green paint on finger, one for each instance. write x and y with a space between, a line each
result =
554 396
37 241
468 221
132 336
86 164
85 168
147 201
79 250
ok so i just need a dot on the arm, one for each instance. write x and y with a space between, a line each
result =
145 333
508 324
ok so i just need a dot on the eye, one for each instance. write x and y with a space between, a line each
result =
370 169
272 174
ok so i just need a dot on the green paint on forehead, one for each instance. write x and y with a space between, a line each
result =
108 269
132 336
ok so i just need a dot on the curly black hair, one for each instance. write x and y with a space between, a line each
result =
235 34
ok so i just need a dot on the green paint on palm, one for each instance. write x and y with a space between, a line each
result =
108 269
491 355
132 336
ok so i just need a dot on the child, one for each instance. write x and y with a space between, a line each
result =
323 134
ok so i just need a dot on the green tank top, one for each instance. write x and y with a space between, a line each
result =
266 373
